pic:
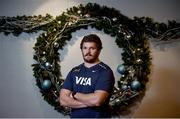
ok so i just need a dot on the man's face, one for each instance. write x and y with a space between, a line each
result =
90 52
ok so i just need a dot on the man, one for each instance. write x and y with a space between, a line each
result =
88 87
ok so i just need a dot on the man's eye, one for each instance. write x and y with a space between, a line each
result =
93 48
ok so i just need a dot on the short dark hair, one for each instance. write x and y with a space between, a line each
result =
92 38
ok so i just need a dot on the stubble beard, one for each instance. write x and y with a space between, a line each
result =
92 59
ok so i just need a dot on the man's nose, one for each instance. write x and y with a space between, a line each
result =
88 51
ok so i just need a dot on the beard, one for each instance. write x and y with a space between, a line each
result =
90 58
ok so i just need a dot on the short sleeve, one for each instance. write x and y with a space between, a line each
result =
106 81
68 82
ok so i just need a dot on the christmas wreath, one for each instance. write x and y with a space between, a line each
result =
131 35
128 35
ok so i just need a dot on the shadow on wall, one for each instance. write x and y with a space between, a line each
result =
162 100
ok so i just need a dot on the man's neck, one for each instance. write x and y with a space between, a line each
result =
88 65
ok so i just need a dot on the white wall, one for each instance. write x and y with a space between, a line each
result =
20 97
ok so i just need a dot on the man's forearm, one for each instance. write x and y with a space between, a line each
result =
70 102
88 99
92 99
67 100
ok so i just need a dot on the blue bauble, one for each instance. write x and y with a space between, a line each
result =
135 85
46 84
121 69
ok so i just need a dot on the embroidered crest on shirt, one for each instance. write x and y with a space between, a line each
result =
76 69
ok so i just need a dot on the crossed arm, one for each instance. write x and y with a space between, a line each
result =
82 100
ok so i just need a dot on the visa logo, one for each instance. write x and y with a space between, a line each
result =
83 81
